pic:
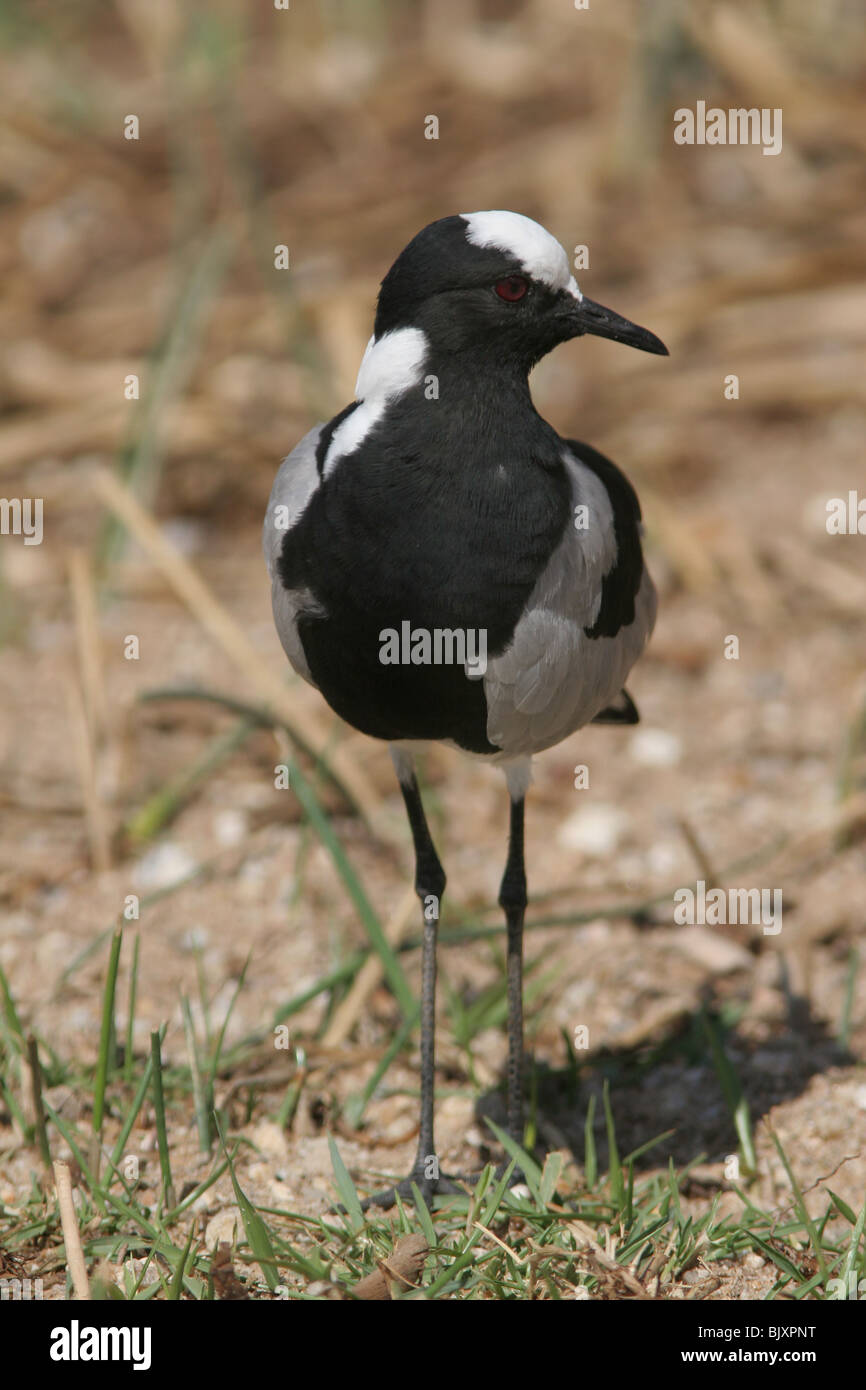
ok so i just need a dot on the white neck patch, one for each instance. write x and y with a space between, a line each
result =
390 366
539 253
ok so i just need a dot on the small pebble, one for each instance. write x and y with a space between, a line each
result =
230 827
163 865
655 748
224 1226
593 829
713 951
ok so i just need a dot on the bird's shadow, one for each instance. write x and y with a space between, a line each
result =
673 1083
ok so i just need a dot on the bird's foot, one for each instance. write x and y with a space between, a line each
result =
428 1188
516 1177
453 1184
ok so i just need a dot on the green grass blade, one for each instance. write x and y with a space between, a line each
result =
66 1133
10 1015
170 1216
323 828
12 1106
458 1263
161 1130
201 1100
590 1153
167 372
614 1167
357 1104
733 1093
130 1017
256 1231
802 1212
844 1035
843 1207
778 1259
164 805
525 1162
218 1048
852 1254
175 1288
105 1061
36 1095
132 1114
346 1188
550 1176
423 1218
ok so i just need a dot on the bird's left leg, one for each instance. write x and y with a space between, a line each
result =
512 899
429 886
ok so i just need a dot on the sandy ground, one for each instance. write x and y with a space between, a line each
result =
744 754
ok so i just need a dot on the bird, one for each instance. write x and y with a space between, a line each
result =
446 568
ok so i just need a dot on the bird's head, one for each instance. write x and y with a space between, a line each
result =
498 284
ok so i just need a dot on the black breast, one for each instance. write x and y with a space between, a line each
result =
406 529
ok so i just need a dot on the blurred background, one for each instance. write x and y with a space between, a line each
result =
156 363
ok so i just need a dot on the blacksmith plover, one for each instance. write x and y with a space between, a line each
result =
445 566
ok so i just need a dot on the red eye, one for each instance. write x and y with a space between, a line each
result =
512 288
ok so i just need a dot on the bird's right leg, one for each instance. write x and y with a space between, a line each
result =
429 886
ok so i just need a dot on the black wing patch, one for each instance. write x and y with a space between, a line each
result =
623 712
621 583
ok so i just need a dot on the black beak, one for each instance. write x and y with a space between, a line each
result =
585 316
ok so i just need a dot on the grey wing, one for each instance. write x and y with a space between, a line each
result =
294 485
553 678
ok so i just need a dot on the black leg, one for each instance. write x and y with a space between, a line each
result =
512 899
429 885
